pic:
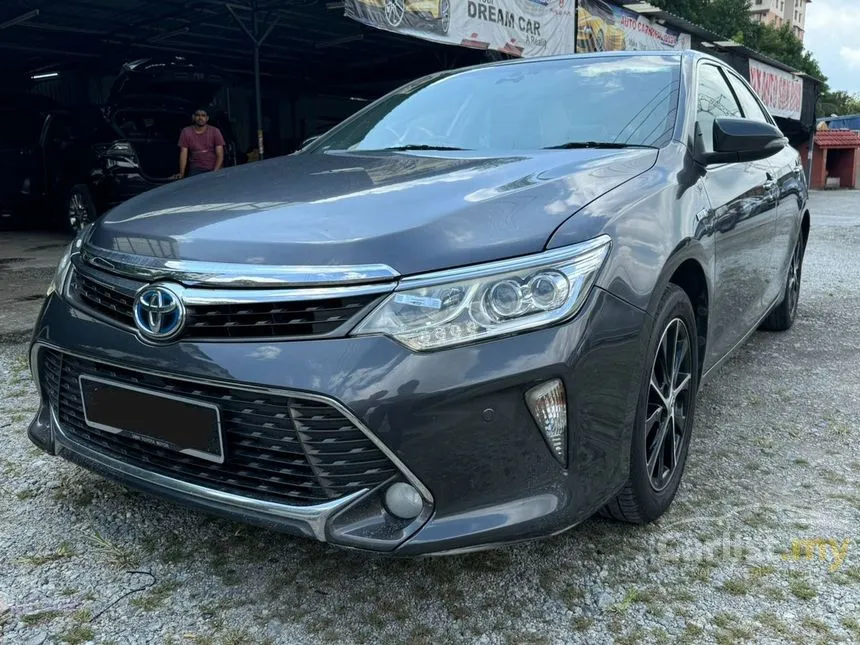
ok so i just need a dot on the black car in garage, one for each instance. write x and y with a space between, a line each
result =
66 166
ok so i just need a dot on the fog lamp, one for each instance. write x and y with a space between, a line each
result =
403 501
548 405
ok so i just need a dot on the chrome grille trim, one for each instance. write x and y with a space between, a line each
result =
233 275
216 314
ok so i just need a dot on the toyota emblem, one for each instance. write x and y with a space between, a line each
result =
159 313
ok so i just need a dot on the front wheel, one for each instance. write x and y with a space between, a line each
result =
664 415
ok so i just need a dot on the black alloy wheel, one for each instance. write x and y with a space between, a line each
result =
664 415
668 404
784 314
794 274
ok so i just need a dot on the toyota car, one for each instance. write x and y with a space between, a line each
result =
476 312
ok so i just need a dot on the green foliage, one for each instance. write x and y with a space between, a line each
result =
839 103
728 18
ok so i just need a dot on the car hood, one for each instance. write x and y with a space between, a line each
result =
415 212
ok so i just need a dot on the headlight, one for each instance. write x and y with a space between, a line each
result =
465 305
65 264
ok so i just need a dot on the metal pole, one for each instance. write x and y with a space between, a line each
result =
254 36
258 99
255 29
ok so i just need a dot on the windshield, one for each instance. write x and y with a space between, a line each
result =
527 106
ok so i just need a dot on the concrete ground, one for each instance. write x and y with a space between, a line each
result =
27 263
762 544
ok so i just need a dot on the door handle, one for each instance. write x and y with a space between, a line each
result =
770 183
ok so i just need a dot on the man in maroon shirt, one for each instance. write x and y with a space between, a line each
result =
204 144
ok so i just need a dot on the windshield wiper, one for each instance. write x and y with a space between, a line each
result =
413 146
570 145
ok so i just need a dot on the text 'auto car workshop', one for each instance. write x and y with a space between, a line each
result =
95 94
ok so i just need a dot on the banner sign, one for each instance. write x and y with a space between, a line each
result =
517 27
607 27
781 92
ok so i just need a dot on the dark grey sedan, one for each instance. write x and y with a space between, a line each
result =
476 312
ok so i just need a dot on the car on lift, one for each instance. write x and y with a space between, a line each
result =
79 162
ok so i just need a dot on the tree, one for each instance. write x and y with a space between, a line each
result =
781 43
731 19
728 18
839 103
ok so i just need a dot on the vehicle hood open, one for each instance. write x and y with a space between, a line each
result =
415 212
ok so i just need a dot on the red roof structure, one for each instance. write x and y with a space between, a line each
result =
837 139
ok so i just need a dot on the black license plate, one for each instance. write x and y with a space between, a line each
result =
162 420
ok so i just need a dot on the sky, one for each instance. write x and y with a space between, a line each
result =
833 36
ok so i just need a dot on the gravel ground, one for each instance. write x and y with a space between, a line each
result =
761 544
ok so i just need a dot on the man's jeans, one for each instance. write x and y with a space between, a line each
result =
197 171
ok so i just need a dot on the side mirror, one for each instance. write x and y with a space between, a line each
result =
739 140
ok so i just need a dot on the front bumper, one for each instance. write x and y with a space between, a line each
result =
454 422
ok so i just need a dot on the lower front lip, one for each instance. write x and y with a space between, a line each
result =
455 419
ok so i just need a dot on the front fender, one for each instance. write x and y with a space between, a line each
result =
653 221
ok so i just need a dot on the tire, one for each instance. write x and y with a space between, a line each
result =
444 21
650 488
77 209
782 317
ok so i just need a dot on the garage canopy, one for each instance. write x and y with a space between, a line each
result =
311 44
309 41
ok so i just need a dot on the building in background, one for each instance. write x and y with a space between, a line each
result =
836 161
781 12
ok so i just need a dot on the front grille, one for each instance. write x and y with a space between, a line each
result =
283 319
277 448
107 300
287 319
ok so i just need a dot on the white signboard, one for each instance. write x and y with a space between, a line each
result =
781 92
518 27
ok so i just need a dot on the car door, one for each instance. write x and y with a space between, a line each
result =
742 215
789 188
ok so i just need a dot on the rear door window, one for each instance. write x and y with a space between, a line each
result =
751 107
